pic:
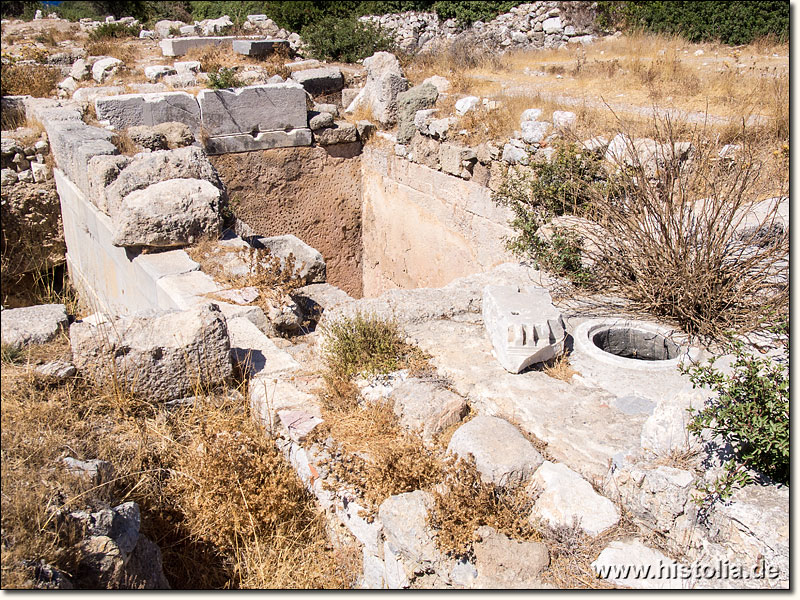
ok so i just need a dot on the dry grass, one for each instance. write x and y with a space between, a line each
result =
126 51
559 368
38 81
249 526
214 58
464 502
124 143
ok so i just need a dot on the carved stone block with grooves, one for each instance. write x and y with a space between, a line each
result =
523 324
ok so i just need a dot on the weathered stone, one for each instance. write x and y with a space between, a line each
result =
408 104
57 369
308 262
265 140
120 523
442 84
426 407
405 527
503 563
8 177
149 109
530 114
523 324
320 120
80 70
161 357
665 430
563 119
649 568
466 104
165 28
73 145
41 172
258 47
146 137
98 471
567 499
315 298
324 80
348 95
502 454
101 564
385 81
105 68
147 169
25 176
47 577
552 25
341 133
534 132
174 212
103 170
181 80
327 108
180 46
253 109
452 158
144 569
298 423
88 94
515 155
187 67
32 324
69 85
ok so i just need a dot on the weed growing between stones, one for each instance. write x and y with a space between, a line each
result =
223 78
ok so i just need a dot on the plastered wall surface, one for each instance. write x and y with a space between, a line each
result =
423 228
311 193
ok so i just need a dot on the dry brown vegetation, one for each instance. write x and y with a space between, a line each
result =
126 51
249 526
38 81
214 58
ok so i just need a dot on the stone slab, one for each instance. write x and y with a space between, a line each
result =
180 46
253 109
258 47
265 140
322 80
130 110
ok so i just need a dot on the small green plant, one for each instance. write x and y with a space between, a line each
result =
344 39
561 255
751 410
223 78
10 354
108 31
363 344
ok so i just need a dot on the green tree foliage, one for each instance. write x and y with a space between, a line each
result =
468 12
736 22
19 8
344 39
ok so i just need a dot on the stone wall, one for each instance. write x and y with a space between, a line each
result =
313 193
424 228
542 24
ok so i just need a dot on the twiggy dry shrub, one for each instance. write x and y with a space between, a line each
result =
677 243
127 52
454 59
38 81
463 502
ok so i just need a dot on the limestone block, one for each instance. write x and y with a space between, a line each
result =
165 27
40 171
534 132
405 527
348 95
156 72
341 133
88 94
8 177
73 144
552 25
298 423
180 46
253 109
32 324
502 454
103 170
515 155
408 104
129 110
80 70
442 84
466 104
665 430
523 324
265 140
320 120
385 81
427 408
104 68
308 262
452 157
97 471
530 114
324 80
187 67
148 168
185 290
161 357
258 47
649 570
174 212
563 119
255 353
567 499
316 298
503 563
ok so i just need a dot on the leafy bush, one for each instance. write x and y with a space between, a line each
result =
223 78
344 39
751 410
108 31
737 22
468 12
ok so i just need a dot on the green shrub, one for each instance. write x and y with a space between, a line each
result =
344 39
468 12
751 410
108 31
564 186
363 344
223 78
737 22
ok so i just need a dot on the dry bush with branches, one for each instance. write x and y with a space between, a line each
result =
677 233
38 81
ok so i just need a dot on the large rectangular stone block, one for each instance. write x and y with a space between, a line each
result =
73 143
149 109
180 46
252 109
258 47
265 140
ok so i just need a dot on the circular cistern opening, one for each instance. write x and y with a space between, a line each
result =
636 344
632 344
